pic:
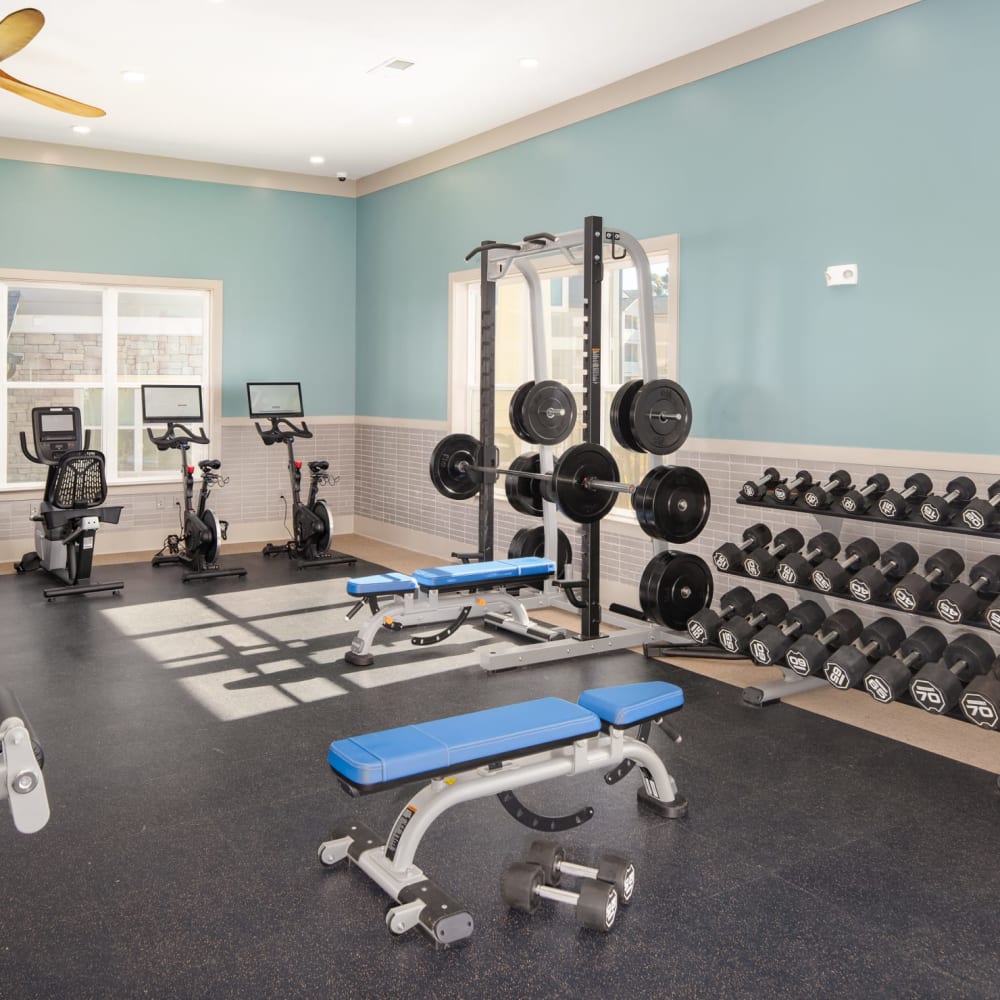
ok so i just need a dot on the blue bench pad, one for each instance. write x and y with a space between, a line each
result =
470 574
627 704
442 745
381 583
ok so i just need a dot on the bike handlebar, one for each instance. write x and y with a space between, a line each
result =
276 434
171 439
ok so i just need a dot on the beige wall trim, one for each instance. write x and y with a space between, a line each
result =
166 166
845 454
813 22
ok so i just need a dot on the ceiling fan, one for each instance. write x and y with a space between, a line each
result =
16 30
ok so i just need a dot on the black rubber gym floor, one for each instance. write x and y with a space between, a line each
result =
817 860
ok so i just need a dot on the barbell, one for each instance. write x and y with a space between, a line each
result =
671 503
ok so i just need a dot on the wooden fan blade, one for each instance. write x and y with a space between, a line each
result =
46 97
17 29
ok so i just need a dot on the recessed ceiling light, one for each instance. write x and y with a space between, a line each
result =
404 120
528 63
317 160
81 129
396 65
133 75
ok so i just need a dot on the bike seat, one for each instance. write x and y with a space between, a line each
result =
319 466
209 463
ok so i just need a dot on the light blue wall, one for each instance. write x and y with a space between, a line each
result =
287 262
876 145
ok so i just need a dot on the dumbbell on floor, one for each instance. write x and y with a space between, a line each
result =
796 568
915 592
789 490
551 858
771 643
980 701
941 510
872 583
979 514
762 562
808 653
832 576
821 495
962 601
729 556
937 687
736 633
756 489
889 679
523 888
895 504
703 627
856 501
846 667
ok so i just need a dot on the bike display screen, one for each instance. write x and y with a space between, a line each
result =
274 399
163 404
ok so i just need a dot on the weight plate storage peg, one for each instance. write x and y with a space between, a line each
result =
674 586
672 503
548 412
660 416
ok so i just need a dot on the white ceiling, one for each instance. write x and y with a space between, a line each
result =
269 83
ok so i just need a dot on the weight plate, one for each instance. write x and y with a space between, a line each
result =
576 465
449 461
672 503
525 495
660 417
531 542
675 586
548 412
516 409
621 408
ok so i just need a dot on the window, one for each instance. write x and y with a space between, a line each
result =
91 342
562 298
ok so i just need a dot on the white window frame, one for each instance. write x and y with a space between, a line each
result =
463 325
211 380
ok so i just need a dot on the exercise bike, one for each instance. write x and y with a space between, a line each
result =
312 522
197 544
72 508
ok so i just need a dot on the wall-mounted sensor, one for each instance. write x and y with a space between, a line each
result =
842 274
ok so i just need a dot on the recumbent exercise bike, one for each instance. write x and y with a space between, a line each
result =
72 508
197 546
312 522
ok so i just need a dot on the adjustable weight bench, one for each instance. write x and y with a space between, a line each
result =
452 594
21 760
492 752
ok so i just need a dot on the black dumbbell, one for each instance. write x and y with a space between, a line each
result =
889 679
856 501
871 583
764 561
796 568
915 592
822 494
940 510
846 667
962 601
729 556
523 888
703 627
938 685
756 489
808 653
787 491
771 643
980 701
551 858
895 504
979 514
833 575
735 633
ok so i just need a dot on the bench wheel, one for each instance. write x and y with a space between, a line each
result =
548 856
520 884
597 906
620 873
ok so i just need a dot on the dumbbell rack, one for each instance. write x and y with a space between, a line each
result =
792 683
